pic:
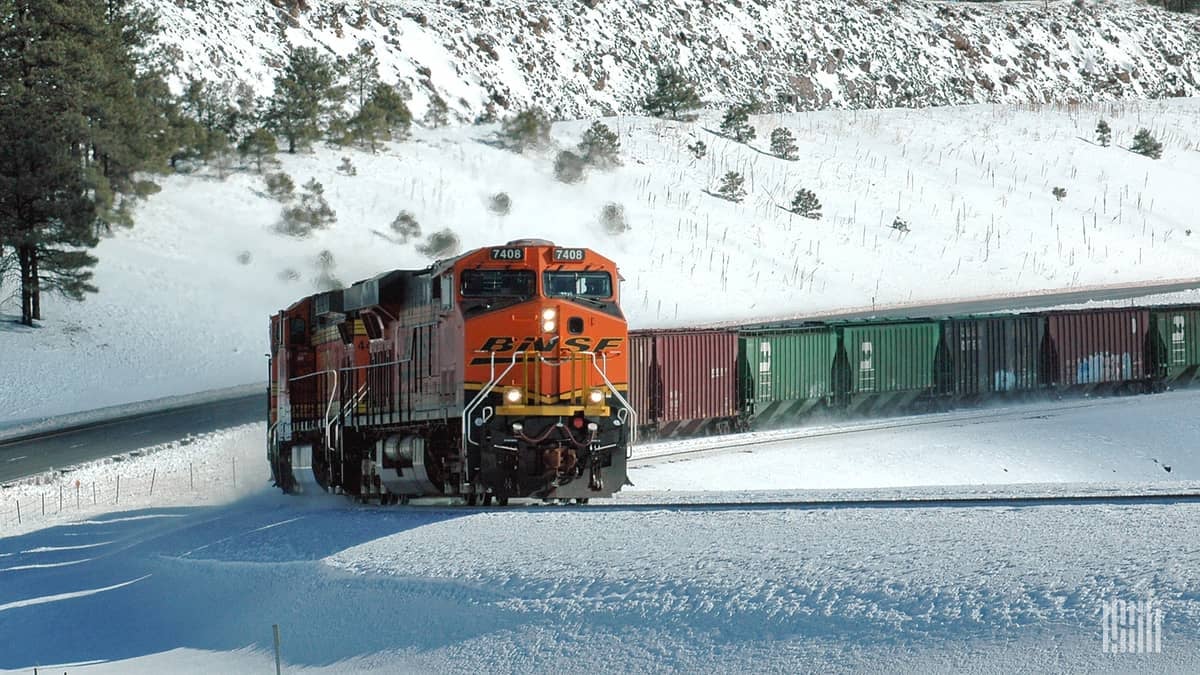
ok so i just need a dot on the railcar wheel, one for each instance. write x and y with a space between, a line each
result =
581 500
487 500
501 501
472 499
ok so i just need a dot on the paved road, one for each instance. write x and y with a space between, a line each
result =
1004 304
62 448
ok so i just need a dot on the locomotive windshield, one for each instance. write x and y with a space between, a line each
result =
497 284
578 284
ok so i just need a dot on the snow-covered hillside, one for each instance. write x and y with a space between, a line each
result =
588 57
185 294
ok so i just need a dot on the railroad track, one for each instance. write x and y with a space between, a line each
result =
1175 496
952 418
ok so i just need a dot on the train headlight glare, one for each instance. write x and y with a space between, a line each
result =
548 326
596 396
548 314
513 395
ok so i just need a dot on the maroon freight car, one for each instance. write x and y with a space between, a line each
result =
1106 347
684 382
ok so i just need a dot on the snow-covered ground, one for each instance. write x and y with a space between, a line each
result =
191 578
186 293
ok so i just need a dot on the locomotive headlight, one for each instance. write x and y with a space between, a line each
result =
548 326
596 396
513 395
548 314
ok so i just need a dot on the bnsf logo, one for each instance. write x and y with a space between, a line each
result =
578 344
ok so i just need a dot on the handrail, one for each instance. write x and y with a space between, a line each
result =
332 390
479 398
613 389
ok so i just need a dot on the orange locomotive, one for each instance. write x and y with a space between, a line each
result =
500 373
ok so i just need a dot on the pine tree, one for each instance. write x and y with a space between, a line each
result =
1103 133
82 112
672 94
731 187
600 146
259 147
806 204
303 95
736 123
783 143
1144 143
527 129
438 115
362 68
312 213
211 107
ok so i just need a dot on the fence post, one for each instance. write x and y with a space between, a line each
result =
118 489
94 502
234 471
18 501
275 628
153 476
43 503
77 494
60 500
191 478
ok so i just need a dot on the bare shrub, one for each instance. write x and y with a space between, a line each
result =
500 204
612 218
440 244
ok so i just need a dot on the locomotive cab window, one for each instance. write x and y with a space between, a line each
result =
497 283
578 284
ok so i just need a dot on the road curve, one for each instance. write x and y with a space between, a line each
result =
35 454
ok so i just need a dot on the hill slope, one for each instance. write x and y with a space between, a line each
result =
186 293
579 58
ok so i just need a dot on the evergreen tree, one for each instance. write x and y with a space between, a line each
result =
600 146
1144 143
303 97
1103 133
806 204
312 213
211 108
81 113
731 187
438 115
673 93
362 68
382 117
259 147
569 167
783 143
736 123
527 129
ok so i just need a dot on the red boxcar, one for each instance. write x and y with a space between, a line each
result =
684 382
1099 347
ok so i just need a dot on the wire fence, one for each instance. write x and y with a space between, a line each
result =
64 493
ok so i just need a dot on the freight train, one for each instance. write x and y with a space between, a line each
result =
499 373
686 382
509 372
